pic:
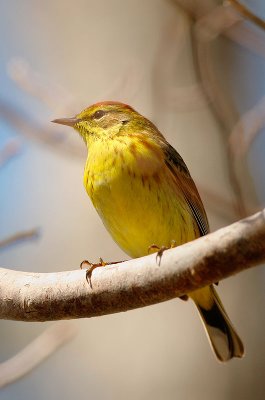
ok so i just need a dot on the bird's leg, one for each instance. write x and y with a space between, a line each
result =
160 250
92 266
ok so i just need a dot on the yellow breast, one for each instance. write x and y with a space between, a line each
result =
135 196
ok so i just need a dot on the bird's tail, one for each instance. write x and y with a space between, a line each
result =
223 338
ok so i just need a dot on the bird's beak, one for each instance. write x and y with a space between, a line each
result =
67 121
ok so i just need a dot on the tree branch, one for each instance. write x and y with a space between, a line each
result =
18 237
36 352
247 13
136 283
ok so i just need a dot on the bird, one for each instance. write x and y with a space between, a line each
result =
144 193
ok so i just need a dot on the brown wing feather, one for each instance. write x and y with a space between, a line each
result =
181 174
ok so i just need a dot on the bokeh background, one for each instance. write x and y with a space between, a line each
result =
195 68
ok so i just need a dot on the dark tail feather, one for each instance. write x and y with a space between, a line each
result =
224 340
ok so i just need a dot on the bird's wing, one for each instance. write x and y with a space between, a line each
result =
184 181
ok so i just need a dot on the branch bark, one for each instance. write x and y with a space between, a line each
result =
136 283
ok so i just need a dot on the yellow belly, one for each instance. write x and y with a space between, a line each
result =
138 203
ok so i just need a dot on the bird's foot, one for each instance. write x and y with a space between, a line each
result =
91 266
160 250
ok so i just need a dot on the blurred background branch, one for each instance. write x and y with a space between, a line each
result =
18 237
36 352
246 12
9 150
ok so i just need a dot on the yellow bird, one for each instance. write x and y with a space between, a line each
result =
144 194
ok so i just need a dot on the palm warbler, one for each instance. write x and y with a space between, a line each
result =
144 194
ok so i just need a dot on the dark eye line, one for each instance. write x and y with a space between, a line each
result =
99 113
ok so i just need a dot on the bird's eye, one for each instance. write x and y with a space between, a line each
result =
99 113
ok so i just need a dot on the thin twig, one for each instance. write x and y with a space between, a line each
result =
30 81
30 129
60 100
36 352
242 34
247 13
18 237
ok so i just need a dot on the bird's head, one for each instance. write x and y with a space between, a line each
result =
101 121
